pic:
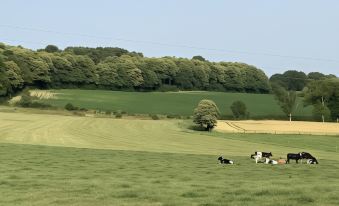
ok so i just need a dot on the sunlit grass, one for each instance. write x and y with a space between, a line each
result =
40 175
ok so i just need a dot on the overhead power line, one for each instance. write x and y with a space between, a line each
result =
166 44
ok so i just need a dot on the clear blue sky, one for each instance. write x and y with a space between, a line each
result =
274 35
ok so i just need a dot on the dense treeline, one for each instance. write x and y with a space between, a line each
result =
297 80
324 96
319 90
119 69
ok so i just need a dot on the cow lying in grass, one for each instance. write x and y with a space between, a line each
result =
269 161
225 161
259 155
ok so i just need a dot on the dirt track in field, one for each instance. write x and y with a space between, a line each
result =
278 127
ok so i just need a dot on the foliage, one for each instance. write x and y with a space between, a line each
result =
297 80
51 48
25 101
173 116
118 69
321 111
4 81
316 76
154 116
70 107
118 115
239 110
326 91
100 53
290 80
286 99
200 58
28 101
206 114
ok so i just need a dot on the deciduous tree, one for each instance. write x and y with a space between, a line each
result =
286 99
239 110
206 114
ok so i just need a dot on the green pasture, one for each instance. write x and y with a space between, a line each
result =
40 175
177 103
69 160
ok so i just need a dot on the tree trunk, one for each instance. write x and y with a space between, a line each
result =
323 103
290 117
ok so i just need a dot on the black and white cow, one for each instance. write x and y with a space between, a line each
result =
225 161
292 156
310 159
259 155
272 162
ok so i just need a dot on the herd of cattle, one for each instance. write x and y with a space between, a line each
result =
265 157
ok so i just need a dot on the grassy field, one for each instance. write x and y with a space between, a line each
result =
102 161
179 103
40 175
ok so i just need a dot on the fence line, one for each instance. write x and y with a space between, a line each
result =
280 132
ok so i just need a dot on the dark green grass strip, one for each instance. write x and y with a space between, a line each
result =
176 103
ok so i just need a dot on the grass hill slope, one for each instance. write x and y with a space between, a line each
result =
178 103
101 161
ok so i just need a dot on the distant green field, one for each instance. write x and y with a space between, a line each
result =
103 161
178 103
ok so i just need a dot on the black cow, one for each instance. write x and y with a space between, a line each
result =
295 157
267 154
306 155
225 161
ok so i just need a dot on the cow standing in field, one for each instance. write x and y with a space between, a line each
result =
310 159
295 157
259 155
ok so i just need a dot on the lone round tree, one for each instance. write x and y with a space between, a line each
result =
206 114
239 110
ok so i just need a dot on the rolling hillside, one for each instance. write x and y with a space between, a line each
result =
69 160
178 103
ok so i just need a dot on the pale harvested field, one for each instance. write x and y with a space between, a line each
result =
40 94
149 135
278 127
117 134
